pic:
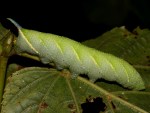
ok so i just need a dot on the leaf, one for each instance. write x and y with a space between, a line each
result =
36 89
43 90
11 69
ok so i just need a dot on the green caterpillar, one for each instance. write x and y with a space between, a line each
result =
80 59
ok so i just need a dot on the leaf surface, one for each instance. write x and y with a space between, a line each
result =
43 90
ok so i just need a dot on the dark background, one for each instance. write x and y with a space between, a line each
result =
78 19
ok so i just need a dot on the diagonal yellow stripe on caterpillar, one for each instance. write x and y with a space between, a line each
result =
30 45
111 65
126 73
58 46
94 60
77 56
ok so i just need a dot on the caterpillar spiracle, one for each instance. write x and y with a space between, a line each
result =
80 59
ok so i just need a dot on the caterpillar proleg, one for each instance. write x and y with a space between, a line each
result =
80 59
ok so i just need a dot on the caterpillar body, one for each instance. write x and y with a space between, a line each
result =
80 59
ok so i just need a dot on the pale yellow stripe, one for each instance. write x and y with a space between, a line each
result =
77 56
111 66
94 60
58 46
30 45
126 73
115 71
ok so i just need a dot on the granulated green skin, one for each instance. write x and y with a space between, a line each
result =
80 59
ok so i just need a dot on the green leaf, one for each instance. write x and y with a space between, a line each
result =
39 89
43 90
11 68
